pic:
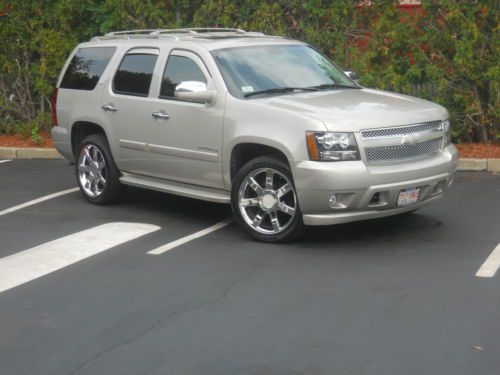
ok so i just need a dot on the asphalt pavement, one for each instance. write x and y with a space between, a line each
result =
397 295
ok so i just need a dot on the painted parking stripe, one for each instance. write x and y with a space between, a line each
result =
38 200
191 237
41 260
4 161
491 264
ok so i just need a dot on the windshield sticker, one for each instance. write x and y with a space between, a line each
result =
246 89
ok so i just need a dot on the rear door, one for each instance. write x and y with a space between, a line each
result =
126 102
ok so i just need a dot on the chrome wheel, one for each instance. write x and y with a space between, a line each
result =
92 170
267 201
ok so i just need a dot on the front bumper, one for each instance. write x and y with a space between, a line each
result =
368 191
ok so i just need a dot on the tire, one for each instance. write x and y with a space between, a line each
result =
99 182
268 212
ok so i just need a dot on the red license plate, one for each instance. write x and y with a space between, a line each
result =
408 196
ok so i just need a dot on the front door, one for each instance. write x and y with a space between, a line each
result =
185 141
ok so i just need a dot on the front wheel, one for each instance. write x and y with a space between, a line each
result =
264 201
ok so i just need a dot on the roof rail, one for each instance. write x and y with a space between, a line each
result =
130 34
171 33
203 30
133 32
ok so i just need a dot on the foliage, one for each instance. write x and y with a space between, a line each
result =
35 135
448 54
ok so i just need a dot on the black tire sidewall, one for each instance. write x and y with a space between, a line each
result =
295 228
113 188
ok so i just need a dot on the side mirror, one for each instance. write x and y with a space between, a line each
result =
194 91
352 75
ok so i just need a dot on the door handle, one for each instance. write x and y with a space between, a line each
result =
161 115
109 108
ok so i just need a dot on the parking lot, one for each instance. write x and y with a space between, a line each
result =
105 289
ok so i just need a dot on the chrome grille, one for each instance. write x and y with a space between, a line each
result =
402 130
403 152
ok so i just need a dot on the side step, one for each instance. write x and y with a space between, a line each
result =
177 188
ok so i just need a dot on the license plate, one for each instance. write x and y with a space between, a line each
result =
408 196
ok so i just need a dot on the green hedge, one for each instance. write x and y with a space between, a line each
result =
448 54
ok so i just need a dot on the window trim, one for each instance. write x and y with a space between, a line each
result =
136 51
184 53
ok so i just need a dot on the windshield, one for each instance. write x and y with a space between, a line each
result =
249 71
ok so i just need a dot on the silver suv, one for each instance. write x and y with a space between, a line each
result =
264 123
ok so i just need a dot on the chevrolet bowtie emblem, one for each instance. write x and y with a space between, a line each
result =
410 139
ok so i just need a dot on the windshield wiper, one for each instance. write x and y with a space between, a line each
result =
278 90
326 86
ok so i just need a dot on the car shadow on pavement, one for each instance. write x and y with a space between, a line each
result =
173 205
408 227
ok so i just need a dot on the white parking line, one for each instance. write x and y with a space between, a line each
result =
39 261
183 240
491 264
4 161
38 200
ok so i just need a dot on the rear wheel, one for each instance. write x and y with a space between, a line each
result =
264 201
96 172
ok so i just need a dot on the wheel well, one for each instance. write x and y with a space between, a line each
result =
244 152
82 129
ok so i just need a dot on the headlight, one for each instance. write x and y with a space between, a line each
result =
328 146
447 132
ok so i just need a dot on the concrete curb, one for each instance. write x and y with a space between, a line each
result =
493 165
472 165
29 153
490 165
465 164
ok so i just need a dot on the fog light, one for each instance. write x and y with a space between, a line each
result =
333 200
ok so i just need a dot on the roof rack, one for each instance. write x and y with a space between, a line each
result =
204 30
196 32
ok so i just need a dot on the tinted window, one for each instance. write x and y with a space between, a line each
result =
86 68
179 69
134 74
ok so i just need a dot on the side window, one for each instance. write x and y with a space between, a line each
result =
179 69
86 68
134 75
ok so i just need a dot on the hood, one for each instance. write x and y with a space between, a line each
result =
358 109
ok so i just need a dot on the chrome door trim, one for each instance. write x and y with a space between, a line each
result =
184 153
141 146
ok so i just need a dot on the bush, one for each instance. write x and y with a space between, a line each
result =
449 53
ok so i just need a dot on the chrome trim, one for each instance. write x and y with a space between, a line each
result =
141 146
176 188
398 131
184 153
267 201
92 171
403 143
403 152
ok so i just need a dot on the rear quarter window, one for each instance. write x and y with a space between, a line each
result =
86 68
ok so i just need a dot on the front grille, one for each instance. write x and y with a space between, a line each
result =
403 152
402 130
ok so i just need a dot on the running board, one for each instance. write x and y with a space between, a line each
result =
177 188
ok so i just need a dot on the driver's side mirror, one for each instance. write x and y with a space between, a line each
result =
352 75
194 91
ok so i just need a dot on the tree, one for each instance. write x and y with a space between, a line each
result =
448 54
